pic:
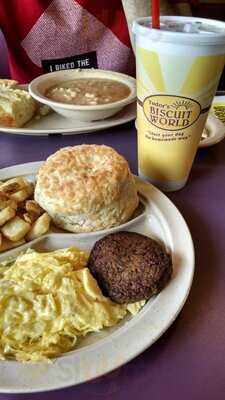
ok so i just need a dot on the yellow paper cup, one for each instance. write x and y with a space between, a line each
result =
178 70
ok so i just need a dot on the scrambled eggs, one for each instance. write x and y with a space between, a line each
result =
49 299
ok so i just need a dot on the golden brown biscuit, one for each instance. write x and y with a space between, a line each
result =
16 107
86 188
8 84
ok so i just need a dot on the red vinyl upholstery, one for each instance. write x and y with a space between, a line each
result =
4 68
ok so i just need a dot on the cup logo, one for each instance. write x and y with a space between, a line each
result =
171 113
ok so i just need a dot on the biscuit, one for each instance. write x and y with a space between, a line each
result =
8 84
16 107
86 188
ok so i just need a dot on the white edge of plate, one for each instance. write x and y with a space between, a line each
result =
103 124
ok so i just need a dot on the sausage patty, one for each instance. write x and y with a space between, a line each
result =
129 266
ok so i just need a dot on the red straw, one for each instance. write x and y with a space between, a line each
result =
155 14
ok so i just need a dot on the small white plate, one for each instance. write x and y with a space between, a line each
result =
218 107
53 123
214 130
99 353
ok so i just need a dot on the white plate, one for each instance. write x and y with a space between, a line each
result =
219 100
102 352
215 131
54 123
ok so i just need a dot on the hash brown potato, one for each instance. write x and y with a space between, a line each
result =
21 217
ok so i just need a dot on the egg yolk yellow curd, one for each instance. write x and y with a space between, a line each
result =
47 301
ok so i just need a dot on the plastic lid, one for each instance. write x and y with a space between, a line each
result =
205 32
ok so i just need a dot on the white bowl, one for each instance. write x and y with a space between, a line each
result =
38 87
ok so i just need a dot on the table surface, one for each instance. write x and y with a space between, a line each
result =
188 361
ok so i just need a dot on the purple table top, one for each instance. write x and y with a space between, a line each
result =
188 361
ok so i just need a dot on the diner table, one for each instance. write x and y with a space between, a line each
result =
188 361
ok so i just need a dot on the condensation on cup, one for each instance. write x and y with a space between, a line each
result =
178 70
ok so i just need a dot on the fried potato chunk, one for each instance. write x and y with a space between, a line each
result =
30 218
40 226
20 196
33 207
15 229
6 214
20 215
13 185
6 201
6 244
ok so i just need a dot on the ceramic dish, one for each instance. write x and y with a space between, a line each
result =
214 131
55 124
38 87
99 353
218 107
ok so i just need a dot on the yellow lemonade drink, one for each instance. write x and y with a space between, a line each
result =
178 70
